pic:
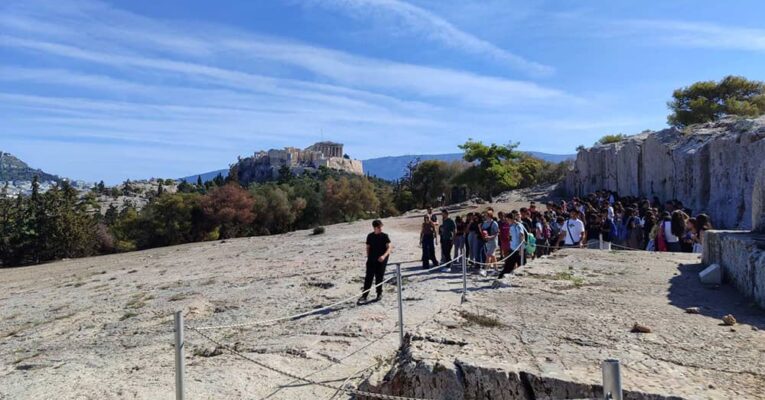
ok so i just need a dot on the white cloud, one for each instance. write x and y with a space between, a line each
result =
695 34
434 28
86 74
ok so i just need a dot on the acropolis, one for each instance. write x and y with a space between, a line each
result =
265 165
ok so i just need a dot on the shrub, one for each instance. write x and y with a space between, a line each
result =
611 139
318 230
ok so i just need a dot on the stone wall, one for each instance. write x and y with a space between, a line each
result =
710 168
742 258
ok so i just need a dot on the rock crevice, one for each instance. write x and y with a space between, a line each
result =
421 377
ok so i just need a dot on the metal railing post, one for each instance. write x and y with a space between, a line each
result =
612 380
464 279
600 241
179 344
400 306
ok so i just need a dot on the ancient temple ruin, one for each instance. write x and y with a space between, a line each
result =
265 165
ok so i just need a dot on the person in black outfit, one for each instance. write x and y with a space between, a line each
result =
378 250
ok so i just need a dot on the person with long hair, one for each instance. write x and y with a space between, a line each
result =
674 229
703 224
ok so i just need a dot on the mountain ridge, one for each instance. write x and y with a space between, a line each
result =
13 169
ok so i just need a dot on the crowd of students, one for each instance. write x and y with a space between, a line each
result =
601 220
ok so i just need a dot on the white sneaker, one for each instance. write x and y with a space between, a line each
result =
482 272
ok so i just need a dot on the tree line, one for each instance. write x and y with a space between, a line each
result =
62 223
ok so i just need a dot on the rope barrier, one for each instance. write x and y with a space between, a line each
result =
439 266
317 310
498 261
300 378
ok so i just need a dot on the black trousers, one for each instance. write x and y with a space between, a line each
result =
511 264
446 250
428 251
376 272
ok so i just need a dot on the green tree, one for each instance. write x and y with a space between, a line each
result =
491 169
275 211
709 100
429 180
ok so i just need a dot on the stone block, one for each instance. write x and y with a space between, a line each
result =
711 275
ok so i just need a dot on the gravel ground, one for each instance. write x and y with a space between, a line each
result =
101 327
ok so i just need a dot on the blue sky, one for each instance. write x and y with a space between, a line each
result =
136 88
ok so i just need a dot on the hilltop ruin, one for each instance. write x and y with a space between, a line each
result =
265 165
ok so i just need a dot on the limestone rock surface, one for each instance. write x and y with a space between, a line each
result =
709 167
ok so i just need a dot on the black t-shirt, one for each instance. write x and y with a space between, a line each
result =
378 245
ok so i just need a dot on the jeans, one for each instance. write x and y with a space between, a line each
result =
459 245
376 271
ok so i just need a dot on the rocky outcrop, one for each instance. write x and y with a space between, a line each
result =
709 167
423 377
758 203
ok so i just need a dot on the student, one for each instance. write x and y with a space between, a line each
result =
490 230
573 234
459 237
674 229
504 233
607 229
448 227
378 250
516 241
427 242
703 224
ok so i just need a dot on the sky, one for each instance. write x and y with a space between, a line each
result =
134 89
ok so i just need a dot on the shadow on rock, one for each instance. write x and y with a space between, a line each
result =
686 291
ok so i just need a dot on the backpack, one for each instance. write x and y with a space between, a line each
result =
531 243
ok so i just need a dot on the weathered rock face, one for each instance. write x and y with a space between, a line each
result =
758 203
742 256
711 168
412 376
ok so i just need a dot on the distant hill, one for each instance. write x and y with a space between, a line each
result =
12 169
392 168
207 176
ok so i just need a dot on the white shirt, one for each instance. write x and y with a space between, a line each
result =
575 228
610 213
668 235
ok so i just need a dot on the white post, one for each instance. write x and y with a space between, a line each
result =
400 306
600 241
612 380
464 278
179 344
